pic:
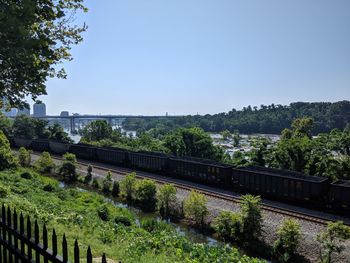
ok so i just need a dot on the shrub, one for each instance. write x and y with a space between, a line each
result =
228 225
107 183
96 183
195 207
332 240
127 186
7 158
166 199
88 176
115 189
251 217
48 187
123 219
68 167
103 212
24 157
145 194
151 224
286 245
4 191
26 175
45 163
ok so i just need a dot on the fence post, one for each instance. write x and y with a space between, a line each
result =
3 218
29 236
15 227
45 242
54 243
9 233
76 252
89 255
21 231
64 249
104 260
36 240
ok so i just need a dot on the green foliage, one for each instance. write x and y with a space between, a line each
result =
24 157
29 128
57 133
45 163
151 224
145 194
115 189
287 243
332 240
166 200
26 175
96 130
107 183
228 225
251 217
124 220
7 158
88 176
96 183
5 124
4 191
49 187
127 186
103 212
226 134
68 167
35 38
195 207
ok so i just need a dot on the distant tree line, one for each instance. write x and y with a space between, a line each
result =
264 119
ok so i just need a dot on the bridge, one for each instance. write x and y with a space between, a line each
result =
108 118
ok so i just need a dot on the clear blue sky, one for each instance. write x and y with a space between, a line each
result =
205 56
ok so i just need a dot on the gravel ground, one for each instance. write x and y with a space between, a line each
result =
308 247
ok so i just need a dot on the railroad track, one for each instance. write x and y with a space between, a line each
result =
212 193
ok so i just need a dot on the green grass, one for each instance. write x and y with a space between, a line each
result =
75 213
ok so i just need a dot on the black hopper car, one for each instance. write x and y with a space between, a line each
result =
281 185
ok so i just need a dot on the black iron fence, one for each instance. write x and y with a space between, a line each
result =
21 242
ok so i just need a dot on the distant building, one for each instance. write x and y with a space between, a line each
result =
24 111
39 110
64 114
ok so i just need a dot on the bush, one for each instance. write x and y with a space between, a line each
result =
68 167
286 245
152 224
96 183
228 225
115 189
26 175
48 188
24 157
166 199
103 212
7 158
195 207
332 240
251 217
4 191
107 183
45 163
123 219
88 176
127 186
145 194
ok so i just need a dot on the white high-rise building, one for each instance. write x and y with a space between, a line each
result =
39 110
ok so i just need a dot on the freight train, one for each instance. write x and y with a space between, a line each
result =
281 185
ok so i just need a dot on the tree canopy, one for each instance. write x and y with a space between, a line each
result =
35 37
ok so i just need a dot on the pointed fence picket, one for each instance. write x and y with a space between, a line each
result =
19 244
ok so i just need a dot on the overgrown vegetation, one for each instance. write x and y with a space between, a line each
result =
195 208
107 228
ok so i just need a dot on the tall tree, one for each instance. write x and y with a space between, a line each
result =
35 36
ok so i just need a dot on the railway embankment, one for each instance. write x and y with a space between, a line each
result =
308 247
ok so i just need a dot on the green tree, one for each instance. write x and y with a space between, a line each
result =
23 127
5 124
228 225
96 130
115 189
68 167
332 240
35 36
226 134
127 186
251 217
24 157
166 199
44 164
287 243
57 133
195 207
107 182
302 127
7 158
88 176
145 194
